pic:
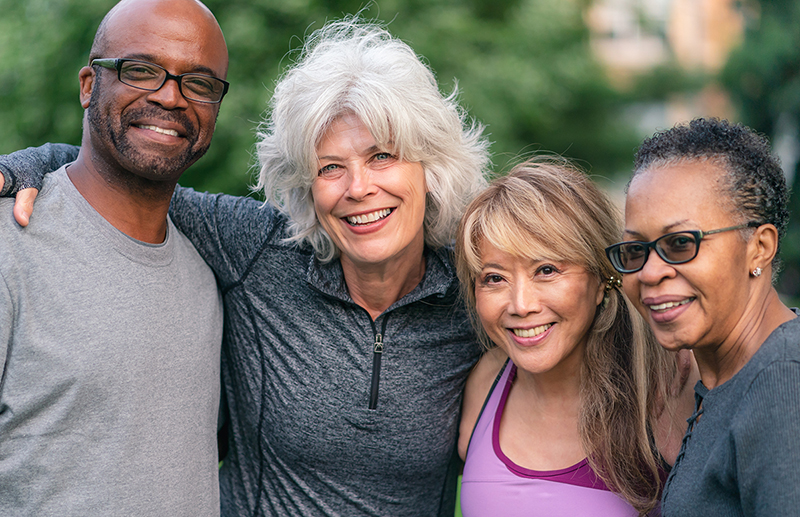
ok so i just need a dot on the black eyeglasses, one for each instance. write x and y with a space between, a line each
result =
151 77
673 248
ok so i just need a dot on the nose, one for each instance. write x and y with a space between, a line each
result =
360 182
524 299
655 269
169 96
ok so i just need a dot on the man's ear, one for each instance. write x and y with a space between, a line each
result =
86 77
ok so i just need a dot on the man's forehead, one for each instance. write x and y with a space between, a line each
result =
180 31
163 32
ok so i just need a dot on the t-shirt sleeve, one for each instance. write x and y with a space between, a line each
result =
226 230
766 436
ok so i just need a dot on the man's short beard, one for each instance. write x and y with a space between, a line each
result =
158 166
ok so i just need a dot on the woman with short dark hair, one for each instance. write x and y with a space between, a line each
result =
705 212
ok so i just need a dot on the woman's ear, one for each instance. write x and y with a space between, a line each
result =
762 247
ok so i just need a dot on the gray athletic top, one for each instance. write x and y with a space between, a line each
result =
109 349
313 432
741 457
321 424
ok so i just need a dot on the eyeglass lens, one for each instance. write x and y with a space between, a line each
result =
197 87
674 248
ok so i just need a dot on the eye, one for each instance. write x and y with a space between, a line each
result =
632 250
679 241
198 84
328 169
491 279
547 270
382 159
139 71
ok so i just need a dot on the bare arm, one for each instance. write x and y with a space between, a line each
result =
479 383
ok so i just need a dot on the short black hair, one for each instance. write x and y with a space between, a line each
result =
755 181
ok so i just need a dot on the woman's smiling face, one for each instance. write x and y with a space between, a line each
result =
698 303
370 203
538 311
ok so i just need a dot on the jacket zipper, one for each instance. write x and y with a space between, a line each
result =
377 352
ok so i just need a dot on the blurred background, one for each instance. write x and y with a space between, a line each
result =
585 79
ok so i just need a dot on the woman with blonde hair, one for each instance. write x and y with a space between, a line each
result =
563 416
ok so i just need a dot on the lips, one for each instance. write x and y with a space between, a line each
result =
535 331
163 131
166 122
669 305
665 309
368 218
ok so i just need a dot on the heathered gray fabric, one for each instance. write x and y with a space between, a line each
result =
297 363
36 162
110 352
742 457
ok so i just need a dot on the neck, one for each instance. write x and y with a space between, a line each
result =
376 287
559 387
760 318
133 205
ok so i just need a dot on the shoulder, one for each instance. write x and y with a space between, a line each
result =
479 384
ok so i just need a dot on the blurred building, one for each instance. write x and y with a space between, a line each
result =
634 37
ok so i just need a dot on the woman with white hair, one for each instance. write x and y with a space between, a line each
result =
346 347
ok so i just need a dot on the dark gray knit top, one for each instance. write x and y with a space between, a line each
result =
742 456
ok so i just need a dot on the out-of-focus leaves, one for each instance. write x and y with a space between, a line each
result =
763 77
524 69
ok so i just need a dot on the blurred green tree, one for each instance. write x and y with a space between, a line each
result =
763 77
524 68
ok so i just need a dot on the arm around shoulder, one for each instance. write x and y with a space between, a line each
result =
479 383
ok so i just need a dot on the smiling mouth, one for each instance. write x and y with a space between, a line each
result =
358 220
661 307
535 331
170 132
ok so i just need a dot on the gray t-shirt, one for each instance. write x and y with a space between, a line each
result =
110 353
741 457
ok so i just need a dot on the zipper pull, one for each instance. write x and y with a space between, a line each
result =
378 344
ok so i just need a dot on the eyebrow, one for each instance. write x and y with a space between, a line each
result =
666 229
195 68
369 150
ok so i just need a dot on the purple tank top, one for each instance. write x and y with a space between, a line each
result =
494 485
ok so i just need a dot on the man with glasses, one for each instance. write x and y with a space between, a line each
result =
110 322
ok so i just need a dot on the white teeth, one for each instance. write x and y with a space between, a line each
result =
535 331
163 131
369 218
669 305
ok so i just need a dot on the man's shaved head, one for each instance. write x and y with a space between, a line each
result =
127 10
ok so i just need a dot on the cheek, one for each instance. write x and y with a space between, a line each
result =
488 310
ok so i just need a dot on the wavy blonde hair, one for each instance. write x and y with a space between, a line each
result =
546 207
354 67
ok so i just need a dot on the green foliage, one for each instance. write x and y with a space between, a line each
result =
523 67
763 77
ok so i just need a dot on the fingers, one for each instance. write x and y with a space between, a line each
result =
23 207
